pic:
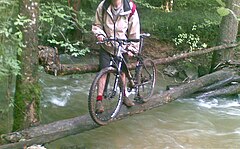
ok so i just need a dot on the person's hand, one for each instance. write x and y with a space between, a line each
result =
100 38
130 54
131 51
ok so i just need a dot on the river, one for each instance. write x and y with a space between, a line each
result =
184 123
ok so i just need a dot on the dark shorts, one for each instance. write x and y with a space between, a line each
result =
104 60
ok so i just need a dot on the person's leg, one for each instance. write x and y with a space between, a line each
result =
104 60
101 86
126 101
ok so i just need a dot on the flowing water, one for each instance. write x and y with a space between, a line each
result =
184 123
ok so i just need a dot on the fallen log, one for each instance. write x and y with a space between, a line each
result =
49 58
221 84
56 130
225 91
195 53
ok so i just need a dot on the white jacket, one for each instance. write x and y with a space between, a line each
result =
125 27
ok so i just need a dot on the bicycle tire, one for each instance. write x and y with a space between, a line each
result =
112 104
147 80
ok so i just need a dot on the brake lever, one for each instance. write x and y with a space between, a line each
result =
99 42
134 53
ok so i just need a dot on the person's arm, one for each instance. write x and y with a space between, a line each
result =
134 31
97 26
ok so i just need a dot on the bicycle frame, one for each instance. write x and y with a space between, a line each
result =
118 65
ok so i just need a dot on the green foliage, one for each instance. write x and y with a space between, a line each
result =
222 11
56 22
10 37
203 5
153 4
156 3
191 39
195 39
181 22
220 2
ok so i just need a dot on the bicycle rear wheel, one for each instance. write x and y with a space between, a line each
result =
146 79
112 100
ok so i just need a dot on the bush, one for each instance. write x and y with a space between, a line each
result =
56 23
204 5
168 26
11 37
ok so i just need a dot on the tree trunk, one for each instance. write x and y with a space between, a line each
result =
76 34
167 5
27 94
56 130
227 34
75 4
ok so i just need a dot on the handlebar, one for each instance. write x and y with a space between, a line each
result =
123 41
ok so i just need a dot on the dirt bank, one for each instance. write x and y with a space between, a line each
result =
155 48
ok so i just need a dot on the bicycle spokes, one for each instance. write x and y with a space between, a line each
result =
146 80
112 97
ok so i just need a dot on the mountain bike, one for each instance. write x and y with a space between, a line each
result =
140 85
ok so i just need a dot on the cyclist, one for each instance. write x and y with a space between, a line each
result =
115 19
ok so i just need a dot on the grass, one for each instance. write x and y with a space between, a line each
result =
167 26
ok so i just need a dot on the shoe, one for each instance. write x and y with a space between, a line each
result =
128 102
99 107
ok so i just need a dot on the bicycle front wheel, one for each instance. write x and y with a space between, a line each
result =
146 80
112 96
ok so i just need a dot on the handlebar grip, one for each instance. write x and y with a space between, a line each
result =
144 35
99 42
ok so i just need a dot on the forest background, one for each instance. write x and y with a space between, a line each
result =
191 25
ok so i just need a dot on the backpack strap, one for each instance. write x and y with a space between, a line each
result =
134 7
107 3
